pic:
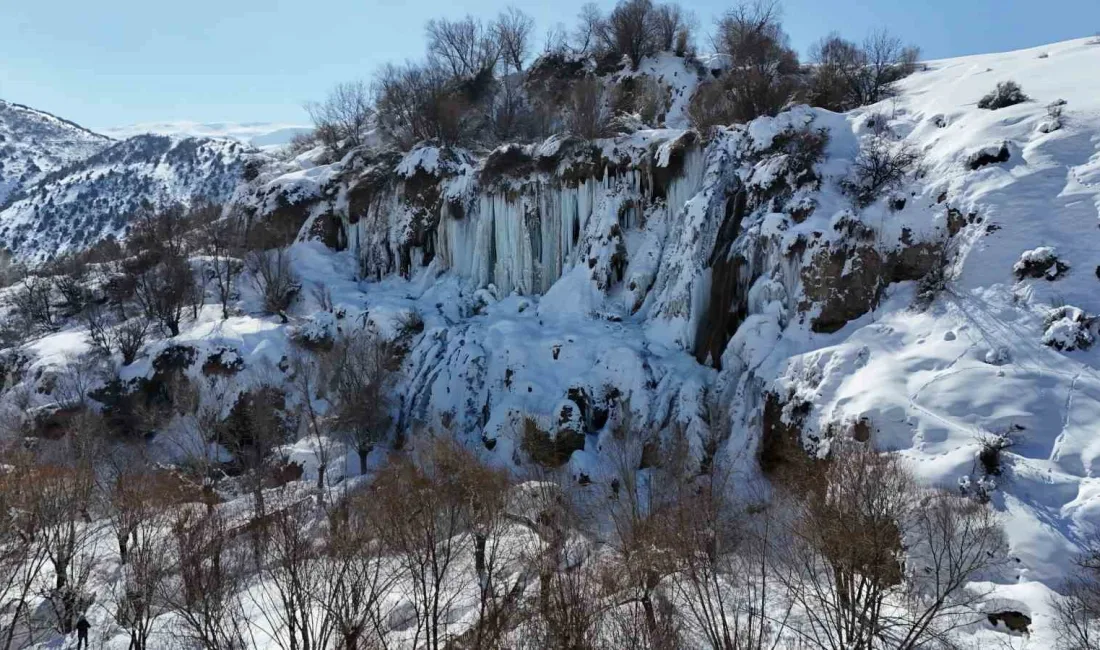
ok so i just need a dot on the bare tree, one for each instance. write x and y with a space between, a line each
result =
486 491
63 499
1077 610
255 427
224 243
586 36
22 558
140 519
838 66
876 562
763 69
165 291
672 28
360 378
294 578
359 578
465 47
424 515
588 116
308 380
569 608
274 279
416 102
129 338
342 120
513 30
846 75
886 60
33 300
631 30
205 601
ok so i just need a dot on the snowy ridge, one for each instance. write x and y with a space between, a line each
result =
91 199
262 135
34 143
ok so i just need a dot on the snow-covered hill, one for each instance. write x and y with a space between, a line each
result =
34 143
262 135
553 286
88 200
623 275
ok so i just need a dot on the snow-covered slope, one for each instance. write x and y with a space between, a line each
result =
86 201
34 143
983 360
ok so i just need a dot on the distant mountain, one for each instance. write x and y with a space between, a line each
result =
34 143
93 198
258 134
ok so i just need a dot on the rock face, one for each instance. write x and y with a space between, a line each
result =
702 247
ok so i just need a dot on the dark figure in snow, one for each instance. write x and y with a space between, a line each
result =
82 632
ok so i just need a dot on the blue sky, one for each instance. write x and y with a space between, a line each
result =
113 62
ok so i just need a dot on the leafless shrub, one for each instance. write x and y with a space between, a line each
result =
71 285
322 295
341 121
643 96
711 106
881 166
1007 93
274 279
10 270
989 454
301 143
